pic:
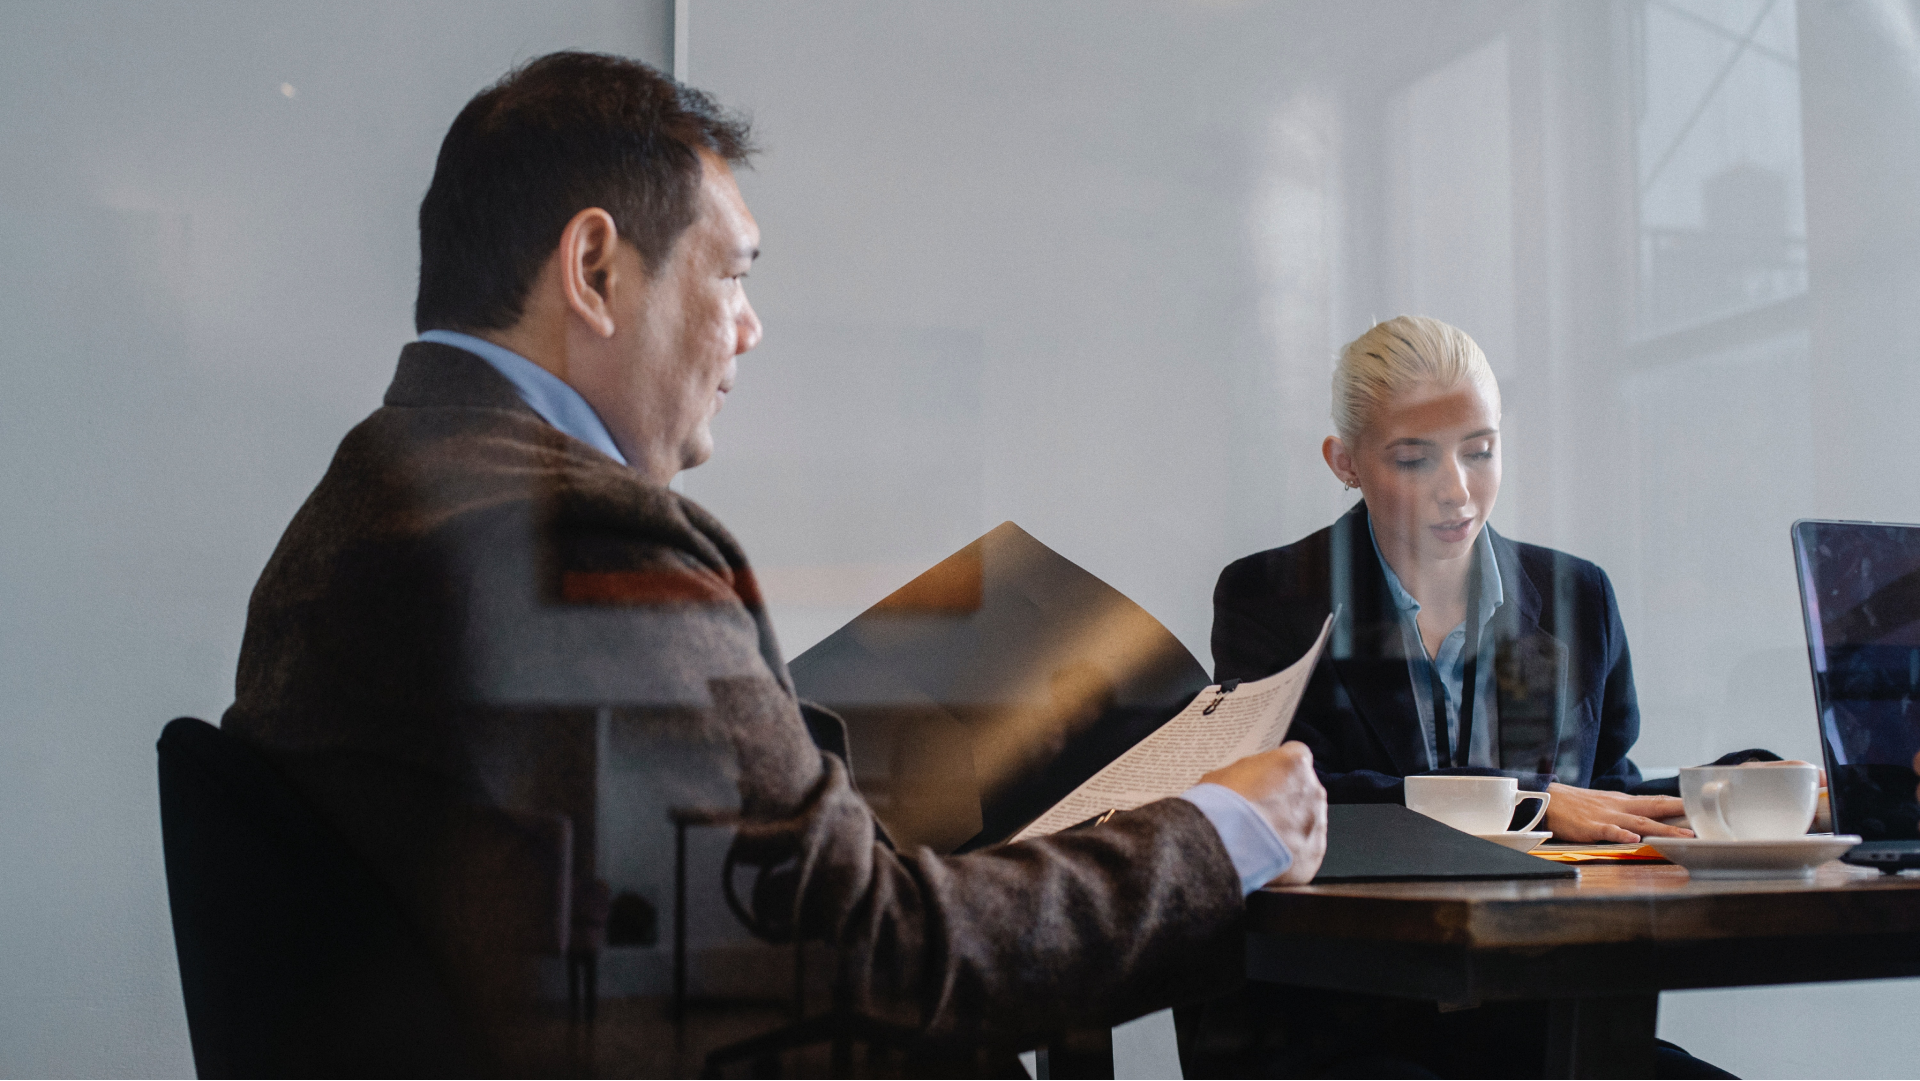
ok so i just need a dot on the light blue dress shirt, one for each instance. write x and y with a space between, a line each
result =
1257 852
1451 660
544 392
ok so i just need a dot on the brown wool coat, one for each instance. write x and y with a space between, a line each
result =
468 588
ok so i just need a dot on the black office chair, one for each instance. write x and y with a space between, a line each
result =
295 960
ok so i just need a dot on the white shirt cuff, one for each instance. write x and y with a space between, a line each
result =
1258 854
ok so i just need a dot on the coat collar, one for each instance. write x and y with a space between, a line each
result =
1530 672
434 375
1367 654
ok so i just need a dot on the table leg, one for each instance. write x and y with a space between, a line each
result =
1602 1037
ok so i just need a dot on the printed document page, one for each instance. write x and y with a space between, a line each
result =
1216 728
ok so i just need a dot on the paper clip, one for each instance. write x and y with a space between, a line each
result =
1227 687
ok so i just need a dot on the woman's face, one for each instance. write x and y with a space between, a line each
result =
1428 465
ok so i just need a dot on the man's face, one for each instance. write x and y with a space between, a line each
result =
678 337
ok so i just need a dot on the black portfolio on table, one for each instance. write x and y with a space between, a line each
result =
1385 842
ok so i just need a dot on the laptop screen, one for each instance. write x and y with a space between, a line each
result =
1860 596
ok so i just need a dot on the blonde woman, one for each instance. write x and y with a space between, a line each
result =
1454 650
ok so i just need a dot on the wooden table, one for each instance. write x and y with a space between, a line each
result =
1599 949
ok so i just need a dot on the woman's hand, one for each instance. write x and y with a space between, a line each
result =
1591 816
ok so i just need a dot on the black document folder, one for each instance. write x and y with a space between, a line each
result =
981 693
1385 842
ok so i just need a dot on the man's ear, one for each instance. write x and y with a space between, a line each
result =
587 273
1338 460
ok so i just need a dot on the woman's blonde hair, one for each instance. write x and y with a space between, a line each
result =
1403 352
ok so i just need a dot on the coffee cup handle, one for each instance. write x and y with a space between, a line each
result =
1544 798
1710 804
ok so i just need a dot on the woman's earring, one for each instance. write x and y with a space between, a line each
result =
1351 484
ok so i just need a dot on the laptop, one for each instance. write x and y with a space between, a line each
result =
1860 600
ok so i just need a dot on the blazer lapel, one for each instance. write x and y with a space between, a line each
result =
1368 656
1530 672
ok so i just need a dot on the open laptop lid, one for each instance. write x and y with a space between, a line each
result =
1860 599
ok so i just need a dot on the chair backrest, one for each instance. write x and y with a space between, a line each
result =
294 958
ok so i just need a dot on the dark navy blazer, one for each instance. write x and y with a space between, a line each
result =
1564 683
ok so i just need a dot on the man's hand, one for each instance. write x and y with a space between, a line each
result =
1282 786
1591 816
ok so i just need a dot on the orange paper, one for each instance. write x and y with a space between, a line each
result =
1590 853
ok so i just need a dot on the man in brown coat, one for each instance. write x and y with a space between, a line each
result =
493 576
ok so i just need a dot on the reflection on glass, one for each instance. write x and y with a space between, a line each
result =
1722 207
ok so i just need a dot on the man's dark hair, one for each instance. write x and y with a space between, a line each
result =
568 131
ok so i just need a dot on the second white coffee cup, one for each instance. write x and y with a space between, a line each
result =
1472 804
1771 802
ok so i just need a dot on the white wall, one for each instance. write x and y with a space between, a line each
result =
1082 265
204 282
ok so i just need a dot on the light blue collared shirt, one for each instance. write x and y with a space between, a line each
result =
544 392
1451 661
1258 854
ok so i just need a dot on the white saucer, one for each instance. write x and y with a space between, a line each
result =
1792 858
1518 840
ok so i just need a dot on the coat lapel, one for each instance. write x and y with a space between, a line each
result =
1368 658
1530 671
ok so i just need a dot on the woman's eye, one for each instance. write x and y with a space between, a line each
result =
1481 455
1409 463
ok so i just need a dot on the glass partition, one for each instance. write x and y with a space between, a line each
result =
1088 273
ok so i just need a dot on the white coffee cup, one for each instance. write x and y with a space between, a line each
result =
1772 802
1472 804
